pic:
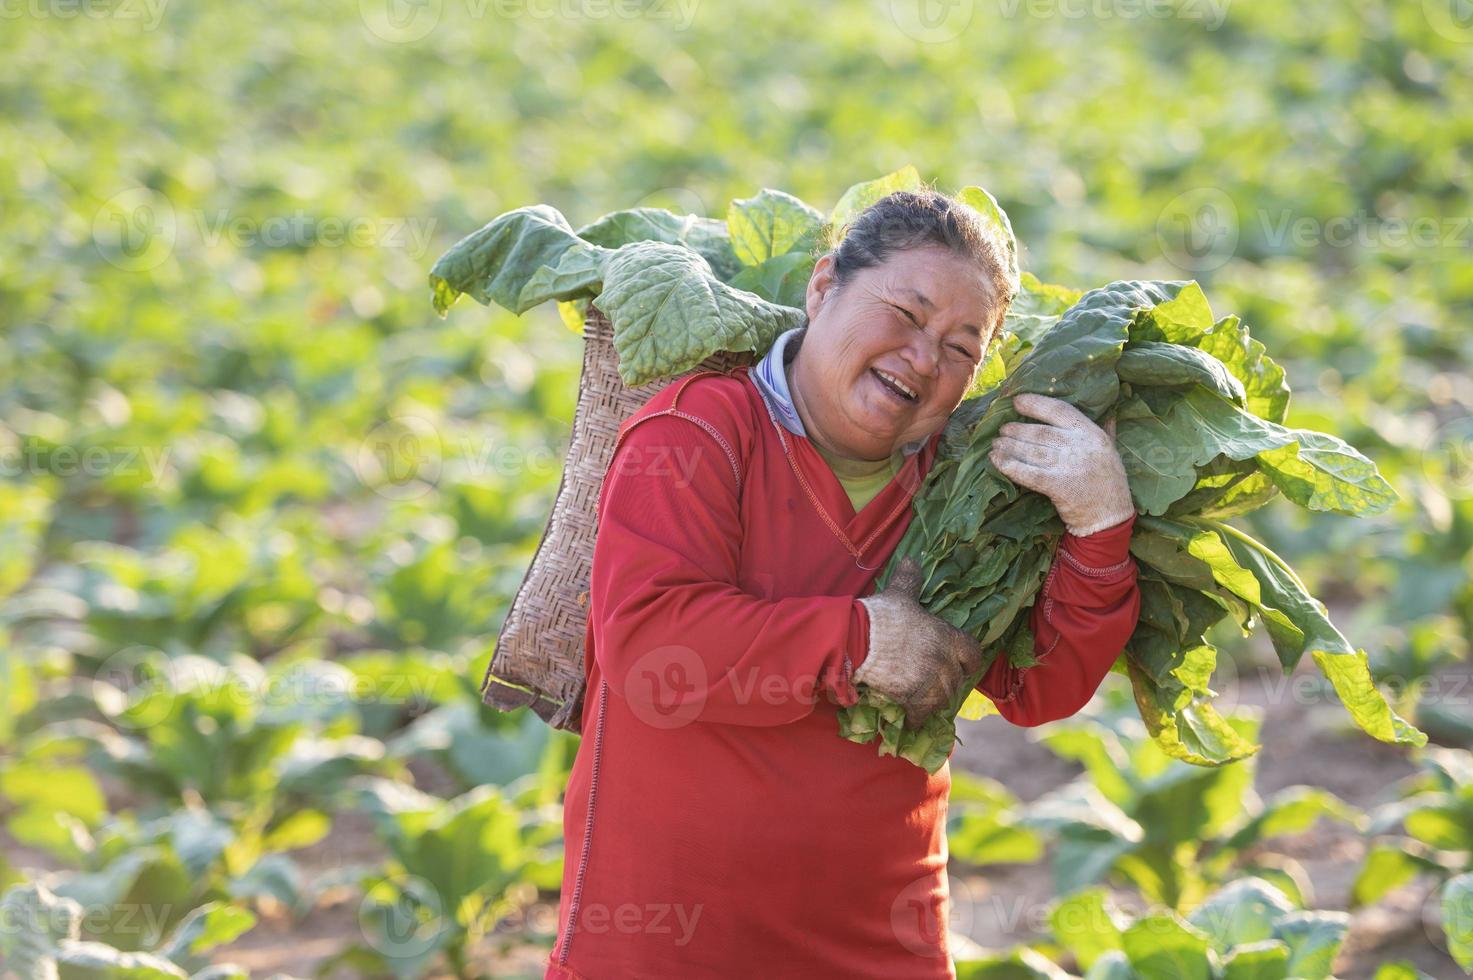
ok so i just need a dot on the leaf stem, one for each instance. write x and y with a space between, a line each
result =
1224 528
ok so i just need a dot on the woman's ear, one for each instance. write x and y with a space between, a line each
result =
820 284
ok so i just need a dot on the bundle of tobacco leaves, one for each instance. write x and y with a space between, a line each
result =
1200 409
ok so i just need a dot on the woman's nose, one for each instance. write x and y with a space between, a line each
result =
923 355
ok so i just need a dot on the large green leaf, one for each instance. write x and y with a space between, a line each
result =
771 224
865 193
1265 960
782 279
1019 963
1163 947
992 837
1313 938
579 273
1243 911
708 236
1321 472
997 220
1184 722
96 961
1162 446
1386 868
670 313
1263 380
1159 364
1183 319
1347 668
212 924
471 846
1293 810
495 263
1160 459
1088 925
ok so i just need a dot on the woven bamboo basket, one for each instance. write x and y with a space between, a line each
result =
538 661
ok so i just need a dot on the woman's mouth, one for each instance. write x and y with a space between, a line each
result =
894 387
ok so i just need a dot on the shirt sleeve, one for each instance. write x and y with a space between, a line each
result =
674 633
1084 615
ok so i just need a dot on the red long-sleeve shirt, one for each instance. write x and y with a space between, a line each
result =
715 823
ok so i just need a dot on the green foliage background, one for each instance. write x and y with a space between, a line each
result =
231 424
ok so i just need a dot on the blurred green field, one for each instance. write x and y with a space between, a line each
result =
262 511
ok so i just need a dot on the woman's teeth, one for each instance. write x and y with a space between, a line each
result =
894 385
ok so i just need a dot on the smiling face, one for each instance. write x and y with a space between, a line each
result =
888 356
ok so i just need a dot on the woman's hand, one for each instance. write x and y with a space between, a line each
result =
917 660
1068 459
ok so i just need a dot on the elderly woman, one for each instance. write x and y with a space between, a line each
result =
716 825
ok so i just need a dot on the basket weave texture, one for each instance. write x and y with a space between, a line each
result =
538 661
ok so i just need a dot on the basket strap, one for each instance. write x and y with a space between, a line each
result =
711 430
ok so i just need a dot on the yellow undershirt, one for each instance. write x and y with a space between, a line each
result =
862 479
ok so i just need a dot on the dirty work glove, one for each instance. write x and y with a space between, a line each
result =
917 660
1069 460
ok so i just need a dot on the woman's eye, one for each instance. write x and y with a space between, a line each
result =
962 351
